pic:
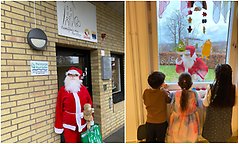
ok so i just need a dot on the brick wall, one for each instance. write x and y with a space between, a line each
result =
28 102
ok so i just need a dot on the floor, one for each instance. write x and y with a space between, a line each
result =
233 139
116 137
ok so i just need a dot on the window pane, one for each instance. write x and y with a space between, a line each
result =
116 82
209 46
69 60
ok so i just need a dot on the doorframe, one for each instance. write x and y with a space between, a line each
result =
65 50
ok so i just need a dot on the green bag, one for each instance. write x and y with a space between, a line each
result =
92 135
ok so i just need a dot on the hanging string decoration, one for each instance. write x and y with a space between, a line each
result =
190 12
198 6
204 14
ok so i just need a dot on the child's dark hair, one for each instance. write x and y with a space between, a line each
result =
185 82
222 91
156 79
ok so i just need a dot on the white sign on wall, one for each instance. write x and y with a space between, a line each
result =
39 68
77 19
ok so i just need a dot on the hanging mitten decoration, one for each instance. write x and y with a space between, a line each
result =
216 11
162 7
225 10
183 8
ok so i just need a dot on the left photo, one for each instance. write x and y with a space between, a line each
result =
62 72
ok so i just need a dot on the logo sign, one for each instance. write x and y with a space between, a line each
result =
39 68
77 19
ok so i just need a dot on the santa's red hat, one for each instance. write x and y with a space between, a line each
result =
191 49
74 70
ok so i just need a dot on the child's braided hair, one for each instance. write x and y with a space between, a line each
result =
185 82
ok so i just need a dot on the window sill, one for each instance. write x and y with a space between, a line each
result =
174 86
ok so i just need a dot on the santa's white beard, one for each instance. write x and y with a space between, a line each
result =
72 84
187 61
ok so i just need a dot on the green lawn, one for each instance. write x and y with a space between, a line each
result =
172 76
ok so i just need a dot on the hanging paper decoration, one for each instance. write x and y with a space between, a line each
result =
204 21
162 7
180 47
204 29
216 11
196 45
189 20
190 4
190 12
206 49
198 4
204 5
225 10
189 29
197 9
204 14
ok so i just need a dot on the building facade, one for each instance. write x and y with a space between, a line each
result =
28 101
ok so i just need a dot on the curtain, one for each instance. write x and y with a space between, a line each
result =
141 60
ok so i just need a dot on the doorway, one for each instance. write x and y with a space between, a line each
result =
68 57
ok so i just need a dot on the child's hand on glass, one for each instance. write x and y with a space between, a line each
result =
165 87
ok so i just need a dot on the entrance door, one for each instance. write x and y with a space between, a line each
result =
67 58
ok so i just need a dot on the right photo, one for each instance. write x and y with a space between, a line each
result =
181 72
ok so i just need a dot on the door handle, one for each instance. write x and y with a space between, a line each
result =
84 73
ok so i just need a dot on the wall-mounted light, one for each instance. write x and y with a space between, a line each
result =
37 39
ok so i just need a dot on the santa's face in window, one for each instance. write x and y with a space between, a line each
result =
187 59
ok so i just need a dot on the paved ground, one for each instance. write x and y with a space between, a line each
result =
116 137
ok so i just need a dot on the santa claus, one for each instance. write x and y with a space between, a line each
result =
70 105
192 64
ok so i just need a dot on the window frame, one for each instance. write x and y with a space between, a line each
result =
174 85
118 96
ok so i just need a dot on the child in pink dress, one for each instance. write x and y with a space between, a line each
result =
184 120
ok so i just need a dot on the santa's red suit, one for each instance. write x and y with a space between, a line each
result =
69 109
192 64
